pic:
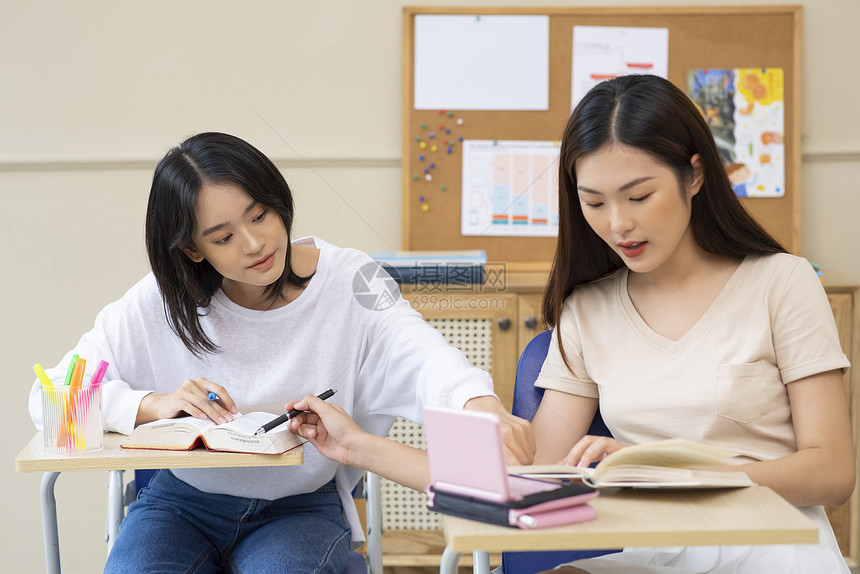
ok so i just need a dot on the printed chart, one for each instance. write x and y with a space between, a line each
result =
510 188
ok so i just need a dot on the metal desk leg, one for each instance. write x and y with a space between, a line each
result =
115 507
480 562
49 523
450 559
374 523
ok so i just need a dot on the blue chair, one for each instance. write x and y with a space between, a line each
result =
356 562
527 398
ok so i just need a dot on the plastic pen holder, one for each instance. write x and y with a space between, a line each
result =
72 419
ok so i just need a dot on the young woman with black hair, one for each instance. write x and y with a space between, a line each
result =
677 314
234 307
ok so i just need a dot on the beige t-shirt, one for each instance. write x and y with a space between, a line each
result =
723 382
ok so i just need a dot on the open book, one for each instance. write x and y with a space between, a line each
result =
663 464
185 433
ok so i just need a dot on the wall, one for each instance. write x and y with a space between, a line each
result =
93 93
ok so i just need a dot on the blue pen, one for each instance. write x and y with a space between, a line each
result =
213 396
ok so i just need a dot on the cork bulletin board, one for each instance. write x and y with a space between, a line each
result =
699 38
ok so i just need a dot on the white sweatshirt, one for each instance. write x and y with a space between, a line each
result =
342 332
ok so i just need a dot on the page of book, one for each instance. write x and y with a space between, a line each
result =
249 423
668 463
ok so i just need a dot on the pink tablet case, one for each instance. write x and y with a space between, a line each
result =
466 452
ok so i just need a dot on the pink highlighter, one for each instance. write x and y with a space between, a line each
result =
97 377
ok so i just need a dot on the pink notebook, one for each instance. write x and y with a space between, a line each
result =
470 478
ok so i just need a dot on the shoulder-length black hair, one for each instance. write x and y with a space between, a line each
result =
652 115
187 287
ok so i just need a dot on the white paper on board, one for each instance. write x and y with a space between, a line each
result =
498 62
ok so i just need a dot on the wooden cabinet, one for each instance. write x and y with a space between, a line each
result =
506 308
843 296
529 318
492 324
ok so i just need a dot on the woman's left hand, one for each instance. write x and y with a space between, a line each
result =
591 449
326 426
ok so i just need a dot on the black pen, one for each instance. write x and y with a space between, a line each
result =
293 413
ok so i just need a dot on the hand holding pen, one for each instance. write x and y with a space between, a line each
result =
289 415
331 430
192 397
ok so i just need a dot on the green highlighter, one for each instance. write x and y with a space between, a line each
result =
71 370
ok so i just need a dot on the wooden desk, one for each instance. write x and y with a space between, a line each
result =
34 458
627 517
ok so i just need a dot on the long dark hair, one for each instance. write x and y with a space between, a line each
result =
649 114
187 287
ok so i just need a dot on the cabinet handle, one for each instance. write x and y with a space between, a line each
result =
531 322
504 323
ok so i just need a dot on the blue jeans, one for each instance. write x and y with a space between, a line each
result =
173 527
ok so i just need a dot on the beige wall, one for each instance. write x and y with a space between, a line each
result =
93 93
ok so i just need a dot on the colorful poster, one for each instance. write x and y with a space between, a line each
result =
745 109
510 188
604 52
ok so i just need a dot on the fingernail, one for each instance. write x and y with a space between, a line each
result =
581 463
234 410
221 420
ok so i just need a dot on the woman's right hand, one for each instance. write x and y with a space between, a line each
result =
192 398
332 431
591 449
328 427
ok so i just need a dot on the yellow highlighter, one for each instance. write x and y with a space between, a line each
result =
47 384
43 376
